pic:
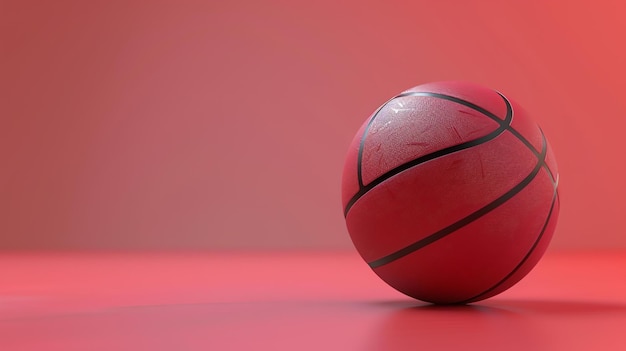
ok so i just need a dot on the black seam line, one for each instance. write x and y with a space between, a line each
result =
466 220
503 125
362 142
532 249
462 102
533 150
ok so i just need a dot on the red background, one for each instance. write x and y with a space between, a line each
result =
180 124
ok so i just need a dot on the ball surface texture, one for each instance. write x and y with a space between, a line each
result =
449 192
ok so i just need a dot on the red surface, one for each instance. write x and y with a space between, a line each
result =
296 300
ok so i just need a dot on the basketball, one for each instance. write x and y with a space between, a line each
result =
449 192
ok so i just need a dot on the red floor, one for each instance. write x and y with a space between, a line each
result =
294 301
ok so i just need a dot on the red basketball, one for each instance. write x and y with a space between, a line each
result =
450 192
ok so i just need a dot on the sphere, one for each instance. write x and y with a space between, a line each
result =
449 192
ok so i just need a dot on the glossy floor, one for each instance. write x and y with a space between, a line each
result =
294 301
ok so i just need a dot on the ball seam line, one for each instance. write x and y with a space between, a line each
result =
359 170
